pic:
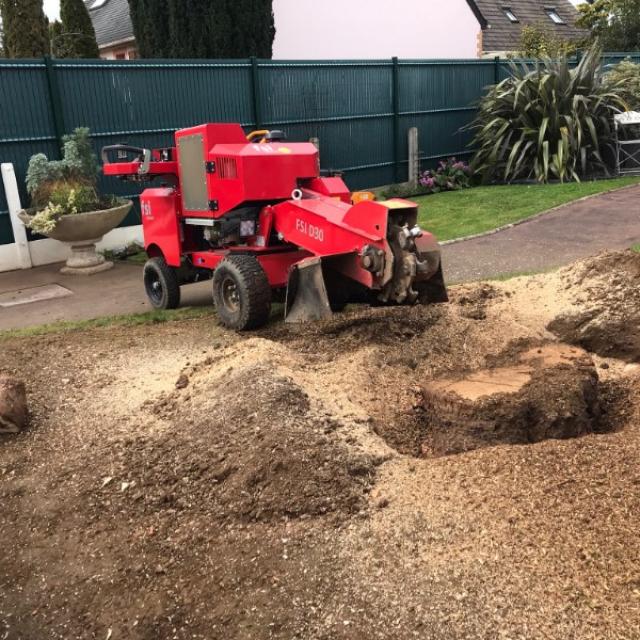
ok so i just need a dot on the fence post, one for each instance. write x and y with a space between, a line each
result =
13 200
255 91
414 156
496 70
396 118
56 99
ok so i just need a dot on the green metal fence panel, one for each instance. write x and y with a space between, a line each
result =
348 106
360 110
439 98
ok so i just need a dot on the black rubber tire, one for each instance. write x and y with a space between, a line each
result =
241 293
161 284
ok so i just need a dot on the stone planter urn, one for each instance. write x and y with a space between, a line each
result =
82 231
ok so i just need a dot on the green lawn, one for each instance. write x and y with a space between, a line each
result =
455 214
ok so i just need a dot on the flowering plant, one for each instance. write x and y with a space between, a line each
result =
451 175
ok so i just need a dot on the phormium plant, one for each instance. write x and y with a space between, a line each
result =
547 121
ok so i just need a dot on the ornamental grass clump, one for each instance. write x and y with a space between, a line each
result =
65 187
547 122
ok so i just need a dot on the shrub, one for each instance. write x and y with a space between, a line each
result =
536 41
67 186
625 78
547 121
451 175
66 198
78 166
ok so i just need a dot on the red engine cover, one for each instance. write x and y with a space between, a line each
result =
235 171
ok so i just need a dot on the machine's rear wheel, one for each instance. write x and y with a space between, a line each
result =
241 293
161 284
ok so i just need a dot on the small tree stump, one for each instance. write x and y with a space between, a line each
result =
543 393
13 405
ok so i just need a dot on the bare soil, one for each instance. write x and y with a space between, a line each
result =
181 481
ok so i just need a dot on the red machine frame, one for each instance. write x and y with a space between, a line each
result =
261 196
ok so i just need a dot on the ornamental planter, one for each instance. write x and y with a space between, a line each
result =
82 231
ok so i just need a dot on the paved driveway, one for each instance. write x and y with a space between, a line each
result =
609 221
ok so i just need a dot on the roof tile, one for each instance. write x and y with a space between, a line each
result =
501 34
111 20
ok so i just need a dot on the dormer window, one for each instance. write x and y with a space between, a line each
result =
509 13
554 15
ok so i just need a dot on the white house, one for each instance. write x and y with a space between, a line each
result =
338 29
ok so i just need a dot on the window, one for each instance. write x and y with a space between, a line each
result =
509 13
553 14
98 3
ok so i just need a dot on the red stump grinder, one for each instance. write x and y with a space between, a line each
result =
257 216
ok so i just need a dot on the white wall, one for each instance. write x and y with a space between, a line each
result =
50 251
339 29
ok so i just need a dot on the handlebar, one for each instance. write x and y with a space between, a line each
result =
145 154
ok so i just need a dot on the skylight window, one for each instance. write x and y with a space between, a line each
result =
553 14
98 3
509 13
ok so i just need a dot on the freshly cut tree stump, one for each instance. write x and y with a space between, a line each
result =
546 392
13 405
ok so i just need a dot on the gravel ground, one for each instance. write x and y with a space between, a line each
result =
181 481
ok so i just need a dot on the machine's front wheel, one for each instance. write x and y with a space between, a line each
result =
241 293
161 284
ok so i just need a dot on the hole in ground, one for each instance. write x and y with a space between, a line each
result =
551 391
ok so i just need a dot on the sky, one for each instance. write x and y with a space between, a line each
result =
52 9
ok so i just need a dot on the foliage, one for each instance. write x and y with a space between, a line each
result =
77 37
547 121
67 186
203 28
78 166
626 77
451 175
538 42
25 29
615 23
67 198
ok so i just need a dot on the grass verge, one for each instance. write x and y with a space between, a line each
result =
456 214
132 320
